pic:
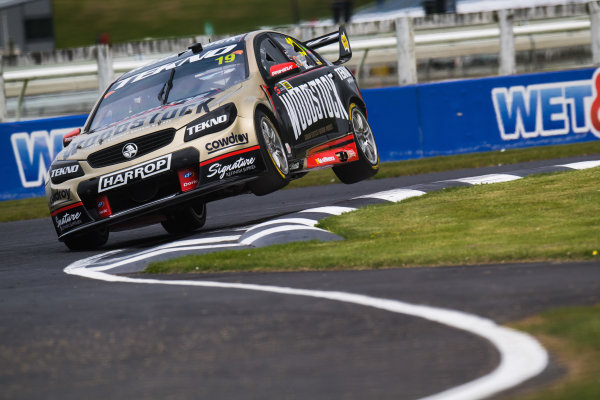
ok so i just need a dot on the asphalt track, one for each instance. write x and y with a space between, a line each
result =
67 337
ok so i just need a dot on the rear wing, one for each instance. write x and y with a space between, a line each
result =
341 37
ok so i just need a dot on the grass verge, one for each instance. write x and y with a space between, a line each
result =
572 334
15 210
545 217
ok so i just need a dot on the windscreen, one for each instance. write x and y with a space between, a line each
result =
211 71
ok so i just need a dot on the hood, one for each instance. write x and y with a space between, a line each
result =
171 116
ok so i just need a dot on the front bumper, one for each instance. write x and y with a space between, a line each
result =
156 193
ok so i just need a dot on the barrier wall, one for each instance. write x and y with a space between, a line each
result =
416 121
485 114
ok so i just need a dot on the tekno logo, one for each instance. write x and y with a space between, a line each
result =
34 153
550 109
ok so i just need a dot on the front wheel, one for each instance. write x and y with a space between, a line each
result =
273 151
186 219
367 164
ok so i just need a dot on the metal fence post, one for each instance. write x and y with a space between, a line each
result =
2 92
405 42
507 43
594 10
105 67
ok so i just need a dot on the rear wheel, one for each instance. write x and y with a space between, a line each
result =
87 241
186 219
274 154
367 164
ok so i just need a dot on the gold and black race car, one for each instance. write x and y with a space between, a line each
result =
244 114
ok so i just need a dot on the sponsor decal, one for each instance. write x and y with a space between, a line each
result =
59 196
188 179
237 163
137 172
149 118
63 171
69 217
216 121
343 73
241 164
232 140
221 119
311 102
550 109
346 153
103 206
281 68
345 42
166 67
130 150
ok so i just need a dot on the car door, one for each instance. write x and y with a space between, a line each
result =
310 109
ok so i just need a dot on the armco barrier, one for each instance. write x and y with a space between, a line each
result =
409 122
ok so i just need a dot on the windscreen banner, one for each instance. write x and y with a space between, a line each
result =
424 120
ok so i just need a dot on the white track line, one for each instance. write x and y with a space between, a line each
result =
284 228
522 357
333 210
582 164
156 252
491 178
297 221
394 195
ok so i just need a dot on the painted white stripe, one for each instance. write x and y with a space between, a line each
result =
394 195
158 252
278 229
582 164
522 357
205 240
298 221
491 178
333 210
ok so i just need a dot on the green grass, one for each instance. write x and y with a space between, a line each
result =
80 22
574 335
546 217
17 210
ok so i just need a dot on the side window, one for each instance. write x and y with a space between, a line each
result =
296 52
270 55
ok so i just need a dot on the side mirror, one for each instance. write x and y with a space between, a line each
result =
68 138
282 69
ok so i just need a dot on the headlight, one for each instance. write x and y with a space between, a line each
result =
215 121
62 171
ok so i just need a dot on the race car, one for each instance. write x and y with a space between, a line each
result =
245 114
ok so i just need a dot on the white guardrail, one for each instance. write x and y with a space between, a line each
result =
404 41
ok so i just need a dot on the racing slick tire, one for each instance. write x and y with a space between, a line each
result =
367 164
87 241
186 219
273 151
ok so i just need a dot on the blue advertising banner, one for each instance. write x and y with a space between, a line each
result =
485 114
27 150
416 121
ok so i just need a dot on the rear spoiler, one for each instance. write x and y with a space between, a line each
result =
340 36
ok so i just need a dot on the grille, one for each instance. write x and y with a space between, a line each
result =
145 144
